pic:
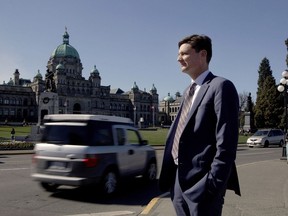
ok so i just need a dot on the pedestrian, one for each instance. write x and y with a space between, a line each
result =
199 158
13 134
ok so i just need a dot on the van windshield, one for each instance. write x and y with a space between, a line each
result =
261 133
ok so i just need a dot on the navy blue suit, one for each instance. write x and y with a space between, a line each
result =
208 144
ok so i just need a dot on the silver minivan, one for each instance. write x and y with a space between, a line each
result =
266 137
82 149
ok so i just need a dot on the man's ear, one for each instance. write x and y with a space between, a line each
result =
203 53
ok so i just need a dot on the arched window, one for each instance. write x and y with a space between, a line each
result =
6 100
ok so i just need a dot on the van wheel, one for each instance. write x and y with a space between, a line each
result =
109 182
51 187
281 143
266 144
151 172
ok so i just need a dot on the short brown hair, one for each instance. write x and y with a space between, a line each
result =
199 42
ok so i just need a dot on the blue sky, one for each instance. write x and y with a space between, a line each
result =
136 40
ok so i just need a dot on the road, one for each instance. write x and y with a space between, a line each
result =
22 196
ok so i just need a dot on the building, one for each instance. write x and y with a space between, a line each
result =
168 108
22 100
17 100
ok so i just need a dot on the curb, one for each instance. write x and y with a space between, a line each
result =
15 152
153 204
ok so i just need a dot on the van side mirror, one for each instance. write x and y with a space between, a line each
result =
144 142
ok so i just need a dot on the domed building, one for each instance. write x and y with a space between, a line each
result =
168 108
76 94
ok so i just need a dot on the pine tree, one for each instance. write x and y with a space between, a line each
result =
267 109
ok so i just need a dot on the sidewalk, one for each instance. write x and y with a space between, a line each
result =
264 193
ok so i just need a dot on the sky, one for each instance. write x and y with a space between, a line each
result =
136 40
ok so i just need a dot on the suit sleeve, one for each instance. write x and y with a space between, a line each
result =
226 105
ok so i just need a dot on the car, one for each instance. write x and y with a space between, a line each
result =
78 150
266 137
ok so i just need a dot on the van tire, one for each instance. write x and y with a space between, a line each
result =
150 174
109 182
51 187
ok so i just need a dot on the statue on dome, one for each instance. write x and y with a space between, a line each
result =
49 81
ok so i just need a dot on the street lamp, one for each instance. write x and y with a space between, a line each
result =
153 116
134 108
283 87
169 100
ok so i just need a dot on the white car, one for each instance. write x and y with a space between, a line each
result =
266 137
91 149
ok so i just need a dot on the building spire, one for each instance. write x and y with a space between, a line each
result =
66 37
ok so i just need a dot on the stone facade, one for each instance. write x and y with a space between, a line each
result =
20 101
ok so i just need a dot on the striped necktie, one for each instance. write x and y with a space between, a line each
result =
183 117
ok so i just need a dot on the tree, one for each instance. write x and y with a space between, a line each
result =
268 108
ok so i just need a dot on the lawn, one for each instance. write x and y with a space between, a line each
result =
5 131
158 137
154 137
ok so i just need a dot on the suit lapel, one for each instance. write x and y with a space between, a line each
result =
201 93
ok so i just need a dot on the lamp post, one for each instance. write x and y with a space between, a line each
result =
169 100
134 108
283 87
153 116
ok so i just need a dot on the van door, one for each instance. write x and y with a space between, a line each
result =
131 155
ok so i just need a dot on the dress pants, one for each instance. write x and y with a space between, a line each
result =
211 206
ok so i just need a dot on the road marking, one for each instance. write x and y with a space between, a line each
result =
114 213
13 169
256 153
256 162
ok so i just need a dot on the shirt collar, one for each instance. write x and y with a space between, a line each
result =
200 78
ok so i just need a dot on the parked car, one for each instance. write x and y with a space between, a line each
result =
266 137
80 150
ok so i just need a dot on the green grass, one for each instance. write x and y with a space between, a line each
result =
5 131
159 136
154 137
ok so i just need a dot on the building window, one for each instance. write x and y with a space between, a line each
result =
6 100
25 102
12 112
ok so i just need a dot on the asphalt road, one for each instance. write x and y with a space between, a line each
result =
22 196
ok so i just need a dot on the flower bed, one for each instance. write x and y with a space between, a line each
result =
16 145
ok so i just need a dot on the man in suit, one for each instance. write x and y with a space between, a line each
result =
199 158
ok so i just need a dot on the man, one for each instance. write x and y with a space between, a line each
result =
199 158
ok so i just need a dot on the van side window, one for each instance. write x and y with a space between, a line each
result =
103 137
133 137
121 136
101 133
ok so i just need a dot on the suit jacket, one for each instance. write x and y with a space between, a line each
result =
208 144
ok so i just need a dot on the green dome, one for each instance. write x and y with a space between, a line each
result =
94 70
169 98
38 75
65 49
